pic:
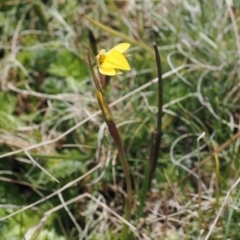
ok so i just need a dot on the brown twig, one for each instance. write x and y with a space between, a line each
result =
157 133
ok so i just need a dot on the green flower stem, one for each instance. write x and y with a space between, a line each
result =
118 142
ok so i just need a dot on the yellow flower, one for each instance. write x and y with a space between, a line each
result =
110 62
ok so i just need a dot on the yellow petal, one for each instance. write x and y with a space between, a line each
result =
115 60
122 47
107 71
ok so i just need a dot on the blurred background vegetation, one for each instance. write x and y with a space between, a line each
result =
49 114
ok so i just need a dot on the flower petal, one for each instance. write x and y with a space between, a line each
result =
115 60
122 47
107 71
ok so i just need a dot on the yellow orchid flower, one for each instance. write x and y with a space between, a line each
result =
110 62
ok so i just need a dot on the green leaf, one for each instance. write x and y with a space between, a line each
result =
53 85
69 65
7 107
8 102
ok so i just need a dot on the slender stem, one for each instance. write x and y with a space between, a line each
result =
157 133
118 142
121 153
